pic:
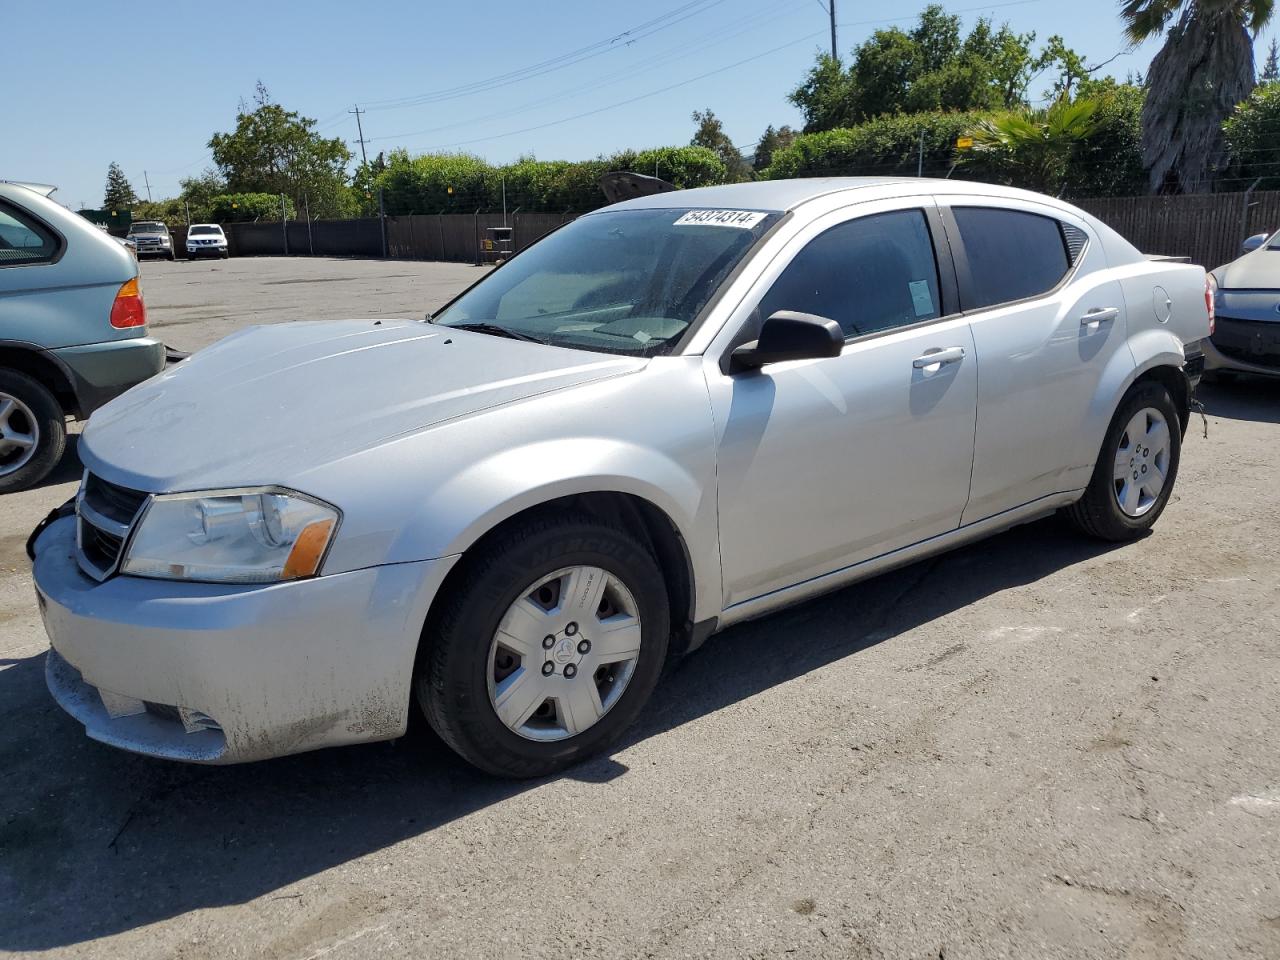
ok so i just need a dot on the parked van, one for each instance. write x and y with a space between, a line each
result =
73 328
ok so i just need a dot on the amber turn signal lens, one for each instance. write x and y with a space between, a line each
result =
128 310
304 558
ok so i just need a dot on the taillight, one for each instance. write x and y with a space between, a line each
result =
129 310
1210 294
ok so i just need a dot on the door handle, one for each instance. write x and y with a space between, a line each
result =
936 358
1099 315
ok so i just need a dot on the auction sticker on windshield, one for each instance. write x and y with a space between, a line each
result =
721 218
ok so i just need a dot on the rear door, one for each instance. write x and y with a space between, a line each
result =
1047 319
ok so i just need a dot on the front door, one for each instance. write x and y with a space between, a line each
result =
825 463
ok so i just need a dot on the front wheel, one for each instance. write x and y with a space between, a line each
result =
550 648
1136 469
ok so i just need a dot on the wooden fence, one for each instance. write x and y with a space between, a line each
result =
1208 228
453 236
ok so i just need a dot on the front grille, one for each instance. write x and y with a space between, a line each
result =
116 503
1249 341
101 548
105 511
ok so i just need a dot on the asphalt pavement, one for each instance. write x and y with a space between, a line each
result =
1036 746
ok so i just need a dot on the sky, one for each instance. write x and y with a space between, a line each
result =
146 85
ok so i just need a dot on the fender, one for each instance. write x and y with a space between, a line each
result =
1148 349
462 508
43 355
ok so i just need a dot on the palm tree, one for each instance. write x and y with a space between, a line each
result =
1203 70
1034 146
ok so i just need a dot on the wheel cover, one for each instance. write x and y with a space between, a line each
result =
19 434
1142 462
563 653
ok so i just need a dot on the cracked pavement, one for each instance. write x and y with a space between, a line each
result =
1037 746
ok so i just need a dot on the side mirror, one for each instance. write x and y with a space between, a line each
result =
788 335
1254 242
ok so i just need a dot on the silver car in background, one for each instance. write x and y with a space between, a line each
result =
73 328
669 416
1246 336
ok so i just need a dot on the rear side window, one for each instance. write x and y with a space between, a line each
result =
1012 255
23 240
870 274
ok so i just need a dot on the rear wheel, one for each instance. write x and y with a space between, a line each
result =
33 431
550 649
1136 469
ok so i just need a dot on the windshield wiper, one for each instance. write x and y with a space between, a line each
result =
494 329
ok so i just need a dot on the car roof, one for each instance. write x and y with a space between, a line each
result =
784 195
194 225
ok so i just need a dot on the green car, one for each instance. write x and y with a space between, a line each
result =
73 328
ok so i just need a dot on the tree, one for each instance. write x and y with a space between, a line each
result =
928 68
273 150
1109 162
710 134
1035 146
1195 80
119 194
1271 69
772 141
1253 136
885 146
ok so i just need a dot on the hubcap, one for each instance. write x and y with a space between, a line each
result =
1142 462
19 434
564 653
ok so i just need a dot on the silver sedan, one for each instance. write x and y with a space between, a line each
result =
669 416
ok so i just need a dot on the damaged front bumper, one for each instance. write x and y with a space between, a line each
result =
223 673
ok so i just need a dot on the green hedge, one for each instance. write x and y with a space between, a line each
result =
463 183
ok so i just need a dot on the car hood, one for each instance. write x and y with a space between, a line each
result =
270 403
1258 270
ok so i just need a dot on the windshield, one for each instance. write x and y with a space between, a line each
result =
143 227
627 281
199 230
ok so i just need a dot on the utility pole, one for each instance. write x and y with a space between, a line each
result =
360 127
920 161
148 183
831 9
284 226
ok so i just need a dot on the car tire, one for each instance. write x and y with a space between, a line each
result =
172 257
226 254
460 676
28 408
1117 506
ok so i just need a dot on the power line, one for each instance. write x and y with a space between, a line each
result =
643 96
598 48
743 25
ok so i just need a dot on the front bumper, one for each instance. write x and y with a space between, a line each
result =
214 673
206 251
1247 346
102 371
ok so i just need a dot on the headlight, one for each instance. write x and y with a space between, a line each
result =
254 535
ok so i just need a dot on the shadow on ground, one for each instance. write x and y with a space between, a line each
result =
94 841
1255 399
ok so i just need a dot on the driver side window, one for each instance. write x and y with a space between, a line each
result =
870 274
